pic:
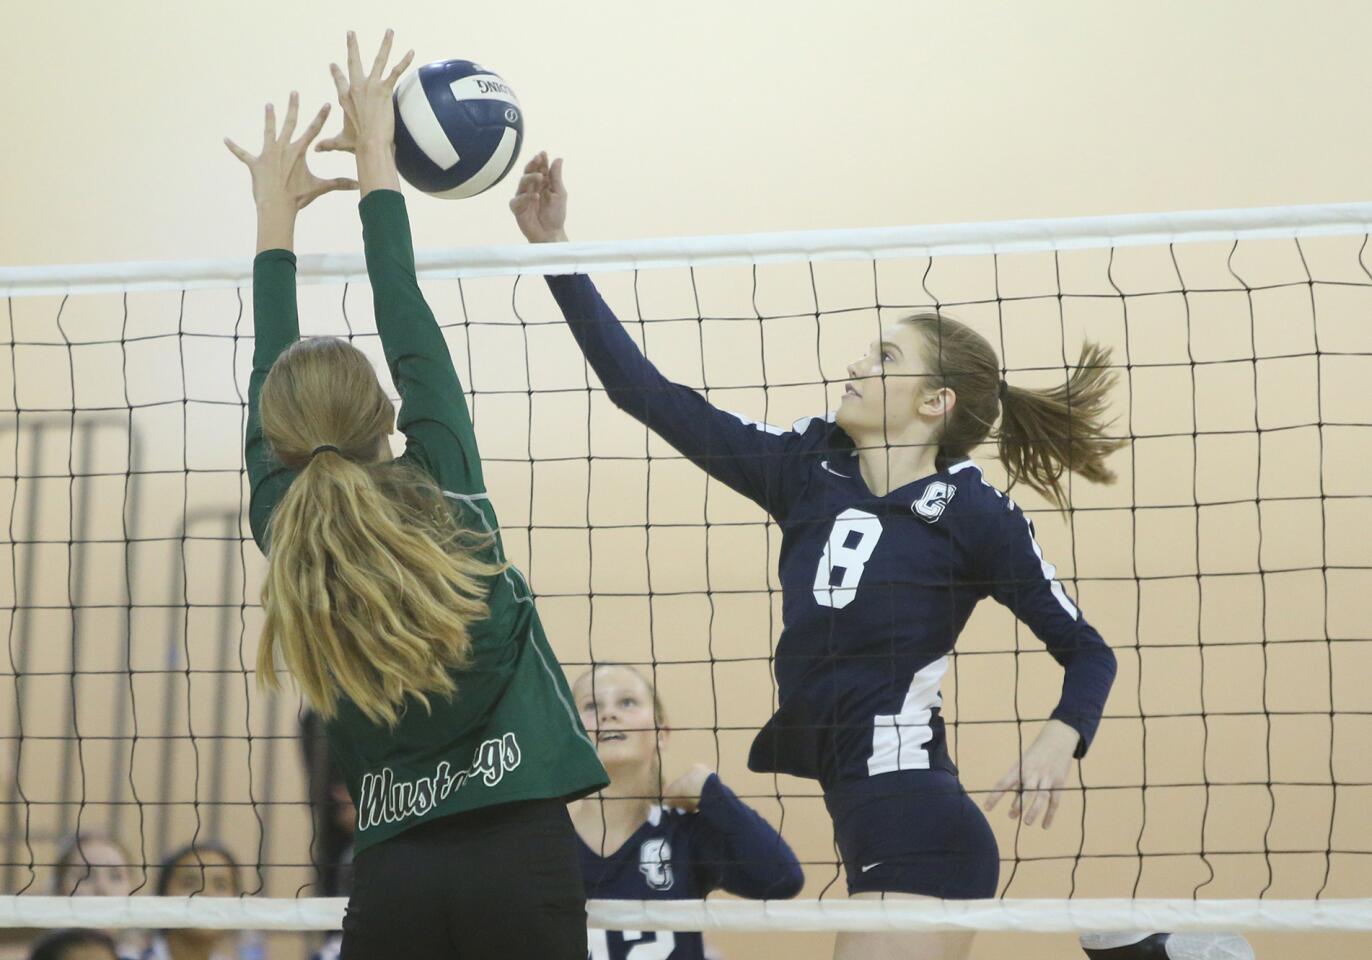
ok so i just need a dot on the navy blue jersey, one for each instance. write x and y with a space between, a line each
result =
875 589
723 845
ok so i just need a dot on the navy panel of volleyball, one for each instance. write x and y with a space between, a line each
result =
876 589
723 845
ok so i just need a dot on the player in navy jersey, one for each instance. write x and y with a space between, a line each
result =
641 841
890 538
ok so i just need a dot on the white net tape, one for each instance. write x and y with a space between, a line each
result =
967 239
797 916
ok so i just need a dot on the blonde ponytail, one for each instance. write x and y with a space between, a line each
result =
371 586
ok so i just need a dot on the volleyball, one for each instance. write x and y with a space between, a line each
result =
458 128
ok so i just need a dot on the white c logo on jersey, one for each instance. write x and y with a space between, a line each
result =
931 503
655 863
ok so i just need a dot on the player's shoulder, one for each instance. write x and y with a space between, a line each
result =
807 431
665 818
816 428
676 824
820 437
966 497
669 825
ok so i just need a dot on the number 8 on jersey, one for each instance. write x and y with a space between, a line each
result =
851 543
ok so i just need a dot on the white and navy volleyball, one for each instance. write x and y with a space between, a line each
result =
458 128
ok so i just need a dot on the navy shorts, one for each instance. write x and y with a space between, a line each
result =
915 831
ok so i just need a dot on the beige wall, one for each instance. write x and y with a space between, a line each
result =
731 117
714 119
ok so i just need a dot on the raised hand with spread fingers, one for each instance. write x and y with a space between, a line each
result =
368 114
282 182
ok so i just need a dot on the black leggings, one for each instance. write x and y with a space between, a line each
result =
502 883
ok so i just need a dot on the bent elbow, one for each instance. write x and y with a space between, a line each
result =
630 399
788 882
1109 662
793 883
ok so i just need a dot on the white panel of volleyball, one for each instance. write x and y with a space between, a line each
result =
1311 911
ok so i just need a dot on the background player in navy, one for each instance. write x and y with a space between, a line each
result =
890 538
641 841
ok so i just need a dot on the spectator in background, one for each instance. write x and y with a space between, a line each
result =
197 870
93 864
74 945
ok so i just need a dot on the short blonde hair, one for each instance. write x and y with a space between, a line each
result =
659 711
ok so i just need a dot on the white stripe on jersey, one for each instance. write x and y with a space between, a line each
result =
757 424
526 595
471 500
800 426
1050 572
898 740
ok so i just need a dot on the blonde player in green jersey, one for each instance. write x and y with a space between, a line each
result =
388 596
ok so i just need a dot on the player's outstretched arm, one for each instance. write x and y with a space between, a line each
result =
748 456
282 186
433 409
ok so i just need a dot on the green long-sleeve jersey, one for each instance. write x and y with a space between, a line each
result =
511 732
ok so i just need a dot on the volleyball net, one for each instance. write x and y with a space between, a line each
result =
1229 786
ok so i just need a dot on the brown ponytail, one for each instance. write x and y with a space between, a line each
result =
1043 433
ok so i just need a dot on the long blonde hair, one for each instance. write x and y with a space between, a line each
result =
372 585
1043 433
